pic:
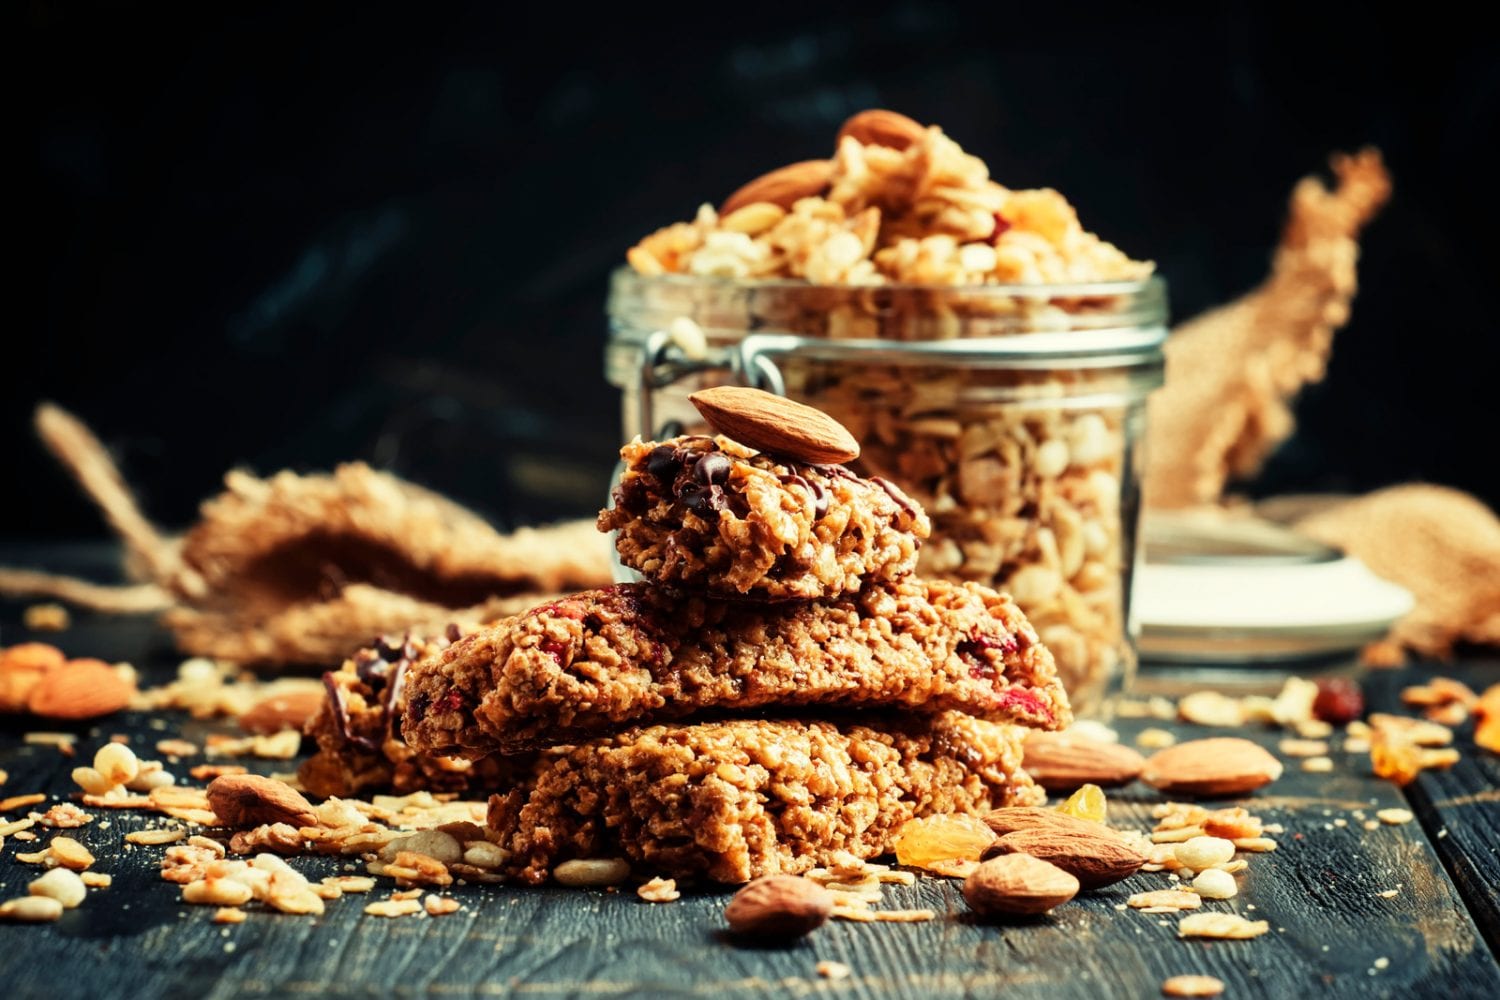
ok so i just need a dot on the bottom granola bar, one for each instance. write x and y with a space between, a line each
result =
735 800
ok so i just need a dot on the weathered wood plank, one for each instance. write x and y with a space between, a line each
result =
1321 893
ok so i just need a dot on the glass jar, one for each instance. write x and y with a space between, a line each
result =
1013 413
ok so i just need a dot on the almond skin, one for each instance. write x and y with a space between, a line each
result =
292 710
1221 767
1061 763
1014 818
1094 859
1017 884
878 127
776 425
779 906
784 187
249 800
80 689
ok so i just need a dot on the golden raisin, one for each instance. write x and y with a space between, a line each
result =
923 842
1394 758
1086 803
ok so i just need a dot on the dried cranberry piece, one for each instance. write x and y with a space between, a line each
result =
1339 700
555 649
1026 702
1001 227
453 701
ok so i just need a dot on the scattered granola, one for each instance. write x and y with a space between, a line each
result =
437 906
1228 926
833 970
46 618
1192 986
659 890
31 909
1394 817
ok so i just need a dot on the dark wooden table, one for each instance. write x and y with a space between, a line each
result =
1333 933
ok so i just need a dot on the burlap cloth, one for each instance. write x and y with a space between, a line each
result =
307 568
1231 376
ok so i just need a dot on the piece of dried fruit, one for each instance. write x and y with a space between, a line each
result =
922 842
1088 803
1018 884
1487 731
80 689
249 800
1222 766
292 710
776 425
784 186
1339 700
779 906
1394 758
1061 762
1095 859
878 127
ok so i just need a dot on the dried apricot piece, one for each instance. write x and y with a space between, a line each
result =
1086 803
1487 732
1394 758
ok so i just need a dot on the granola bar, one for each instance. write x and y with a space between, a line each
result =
711 515
739 799
359 740
602 660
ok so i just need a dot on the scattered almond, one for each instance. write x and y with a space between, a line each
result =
80 689
292 710
779 906
1093 858
1062 762
1217 767
1013 818
1018 884
776 425
248 800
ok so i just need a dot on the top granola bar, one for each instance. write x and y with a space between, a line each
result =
710 515
897 203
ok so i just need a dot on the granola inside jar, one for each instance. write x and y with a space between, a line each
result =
991 355
1013 414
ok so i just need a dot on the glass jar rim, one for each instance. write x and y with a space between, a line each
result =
1062 290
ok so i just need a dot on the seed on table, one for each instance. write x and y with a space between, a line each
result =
117 763
31 909
588 873
1204 852
61 884
1215 884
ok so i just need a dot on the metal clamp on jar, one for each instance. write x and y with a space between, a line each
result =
1014 414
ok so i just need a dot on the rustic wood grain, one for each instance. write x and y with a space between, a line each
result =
1320 892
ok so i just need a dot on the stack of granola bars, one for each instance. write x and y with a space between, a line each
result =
779 688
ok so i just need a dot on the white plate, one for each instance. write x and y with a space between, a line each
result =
1250 591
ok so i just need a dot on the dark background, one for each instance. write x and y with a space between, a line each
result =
304 234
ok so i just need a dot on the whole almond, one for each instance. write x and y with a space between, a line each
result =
776 425
1013 818
80 689
1060 762
779 906
784 186
1094 859
248 800
292 710
1213 768
1017 884
878 127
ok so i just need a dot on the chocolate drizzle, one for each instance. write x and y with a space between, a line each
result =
893 491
